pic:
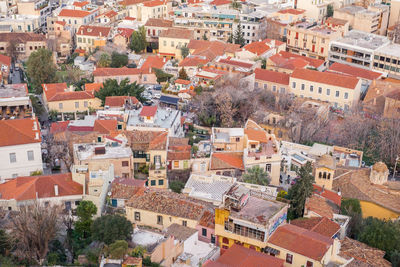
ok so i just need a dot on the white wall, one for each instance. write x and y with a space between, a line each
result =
22 167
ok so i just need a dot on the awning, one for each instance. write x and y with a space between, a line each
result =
271 250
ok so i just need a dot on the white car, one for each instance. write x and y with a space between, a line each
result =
157 95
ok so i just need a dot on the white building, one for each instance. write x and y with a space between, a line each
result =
20 148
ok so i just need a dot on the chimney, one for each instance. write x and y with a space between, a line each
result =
149 69
100 34
36 136
81 31
56 190
35 126
164 59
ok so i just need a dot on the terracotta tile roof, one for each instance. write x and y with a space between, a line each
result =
73 13
131 2
153 62
129 18
177 33
193 61
220 2
5 60
236 63
180 81
130 182
124 191
141 140
211 49
326 78
169 203
270 41
132 261
208 219
292 11
124 71
152 22
81 4
227 160
93 87
291 61
159 142
363 254
191 2
119 101
80 51
272 76
356 72
257 48
239 256
180 232
59 126
320 225
105 126
97 31
63 23
256 135
181 155
110 13
26 188
154 3
357 184
178 142
335 22
330 195
148 111
313 245
56 92
321 206
22 37
22 132
125 32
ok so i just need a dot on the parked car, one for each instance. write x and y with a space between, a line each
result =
157 95
157 87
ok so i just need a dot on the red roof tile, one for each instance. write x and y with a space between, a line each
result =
235 63
180 81
272 76
256 135
125 32
220 2
153 22
22 132
154 3
330 195
227 160
89 30
238 256
301 241
153 62
354 71
335 22
320 225
28 188
56 92
292 11
148 111
291 61
179 33
119 101
257 48
59 126
129 18
73 13
124 71
105 126
326 78
321 206
192 62
93 87
5 60
80 4
182 155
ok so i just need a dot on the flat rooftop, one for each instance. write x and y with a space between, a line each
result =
164 118
147 239
390 50
87 151
364 40
258 210
13 90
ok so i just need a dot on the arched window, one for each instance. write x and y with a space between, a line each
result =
329 176
324 175
225 240
320 175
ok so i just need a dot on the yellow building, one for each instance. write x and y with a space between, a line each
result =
90 37
76 18
341 91
58 97
161 209
324 171
246 218
228 139
378 197
171 41
24 43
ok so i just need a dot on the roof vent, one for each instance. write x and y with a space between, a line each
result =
100 150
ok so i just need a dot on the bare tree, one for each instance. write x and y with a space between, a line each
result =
59 150
389 136
273 29
34 227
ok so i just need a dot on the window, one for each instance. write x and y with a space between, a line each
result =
13 157
265 86
256 84
60 105
268 167
172 43
319 90
99 139
225 240
161 182
76 104
30 155
346 95
289 258
274 88
165 43
311 88
14 175
203 231
302 86
237 139
137 216
337 94
212 239
294 84
309 264
176 164
159 220
119 127
184 223
85 104
125 163
328 91
153 182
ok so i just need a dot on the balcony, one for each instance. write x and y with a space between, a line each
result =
244 231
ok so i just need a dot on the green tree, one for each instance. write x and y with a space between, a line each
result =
85 212
238 38
41 68
138 40
162 76
263 63
236 5
104 60
351 204
118 249
329 11
110 228
182 74
118 60
124 88
138 252
5 242
300 191
184 51
176 186
256 175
